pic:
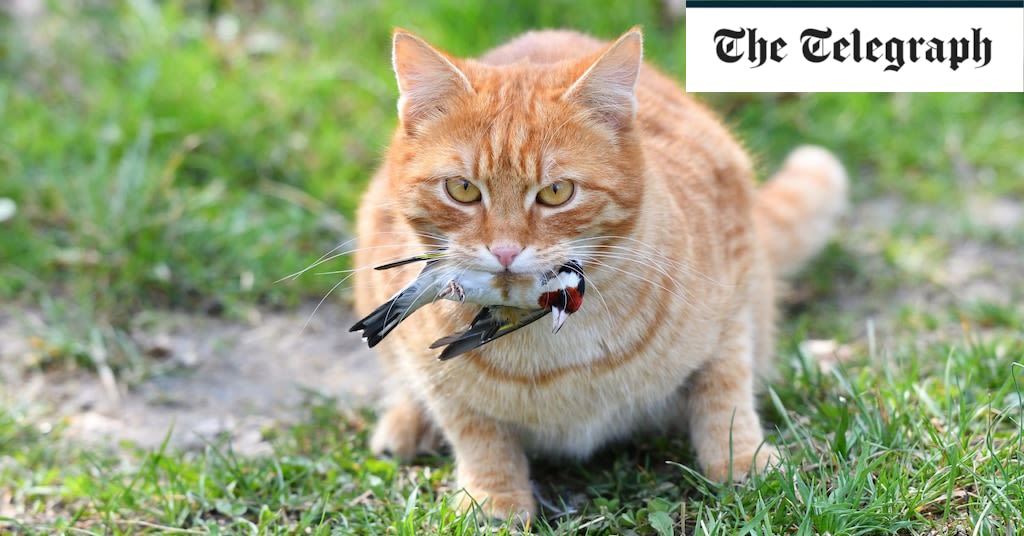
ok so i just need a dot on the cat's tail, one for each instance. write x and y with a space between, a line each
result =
797 209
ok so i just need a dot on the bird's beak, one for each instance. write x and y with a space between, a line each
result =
558 317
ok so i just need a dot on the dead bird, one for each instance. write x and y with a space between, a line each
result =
493 322
507 308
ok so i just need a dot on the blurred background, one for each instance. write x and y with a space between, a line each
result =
164 164
188 154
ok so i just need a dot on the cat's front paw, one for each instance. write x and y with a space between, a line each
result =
516 505
403 432
760 461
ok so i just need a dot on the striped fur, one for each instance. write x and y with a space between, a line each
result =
681 259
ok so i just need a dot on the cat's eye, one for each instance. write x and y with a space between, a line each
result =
462 190
556 194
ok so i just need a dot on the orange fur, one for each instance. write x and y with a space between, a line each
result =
681 251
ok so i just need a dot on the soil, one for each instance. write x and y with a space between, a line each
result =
218 380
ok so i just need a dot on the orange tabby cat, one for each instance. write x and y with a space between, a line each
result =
556 146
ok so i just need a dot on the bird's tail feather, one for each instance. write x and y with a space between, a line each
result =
376 325
484 328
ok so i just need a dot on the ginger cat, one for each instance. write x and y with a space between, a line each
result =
557 146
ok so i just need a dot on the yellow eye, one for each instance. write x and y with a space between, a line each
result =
556 193
462 190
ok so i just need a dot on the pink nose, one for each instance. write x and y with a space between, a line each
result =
506 254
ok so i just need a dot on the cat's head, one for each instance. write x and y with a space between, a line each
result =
516 167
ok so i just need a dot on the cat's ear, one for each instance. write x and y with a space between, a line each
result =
427 79
608 86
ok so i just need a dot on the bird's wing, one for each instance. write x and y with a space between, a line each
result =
376 325
491 323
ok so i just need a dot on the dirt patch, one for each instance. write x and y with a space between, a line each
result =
955 257
219 379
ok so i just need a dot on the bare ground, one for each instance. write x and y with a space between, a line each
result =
220 379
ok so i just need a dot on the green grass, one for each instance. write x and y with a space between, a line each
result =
157 165
915 438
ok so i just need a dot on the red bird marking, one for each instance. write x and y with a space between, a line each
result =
575 300
570 297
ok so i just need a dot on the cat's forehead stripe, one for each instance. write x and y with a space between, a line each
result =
521 159
482 160
495 139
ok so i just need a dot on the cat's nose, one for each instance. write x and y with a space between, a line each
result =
506 253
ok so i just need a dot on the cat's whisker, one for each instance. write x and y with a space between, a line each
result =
682 297
647 248
647 255
592 285
349 271
296 275
636 259
630 257
686 294
627 254
650 250
324 257
331 257
658 263
321 302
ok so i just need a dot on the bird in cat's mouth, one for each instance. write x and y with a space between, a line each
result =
510 302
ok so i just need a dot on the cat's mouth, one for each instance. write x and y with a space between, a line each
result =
556 285
506 281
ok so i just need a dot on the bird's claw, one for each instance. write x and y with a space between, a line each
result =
453 288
